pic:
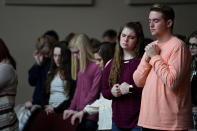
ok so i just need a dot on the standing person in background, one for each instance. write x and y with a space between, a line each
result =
104 54
192 41
58 92
95 45
164 71
88 76
52 36
60 87
38 72
101 105
109 36
8 88
36 77
69 37
117 82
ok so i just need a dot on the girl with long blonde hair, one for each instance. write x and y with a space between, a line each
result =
88 76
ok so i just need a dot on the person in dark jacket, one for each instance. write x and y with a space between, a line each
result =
38 72
192 40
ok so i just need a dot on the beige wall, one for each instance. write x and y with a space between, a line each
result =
21 25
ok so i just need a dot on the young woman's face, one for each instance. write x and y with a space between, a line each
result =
76 52
57 56
128 39
193 46
99 60
158 25
46 51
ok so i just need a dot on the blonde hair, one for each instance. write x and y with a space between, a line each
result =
82 42
42 41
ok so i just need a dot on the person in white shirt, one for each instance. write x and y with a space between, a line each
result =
58 92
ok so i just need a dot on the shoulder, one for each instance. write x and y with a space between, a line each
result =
177 43
108 66
138 59
6 68
92 66
7 72
110 61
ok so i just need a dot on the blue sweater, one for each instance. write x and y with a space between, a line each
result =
37 78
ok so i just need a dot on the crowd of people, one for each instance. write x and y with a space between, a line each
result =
125 83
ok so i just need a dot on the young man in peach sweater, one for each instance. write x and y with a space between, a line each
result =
164 73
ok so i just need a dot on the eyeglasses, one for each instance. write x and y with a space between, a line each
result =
193 45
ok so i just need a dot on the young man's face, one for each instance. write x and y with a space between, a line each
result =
158 25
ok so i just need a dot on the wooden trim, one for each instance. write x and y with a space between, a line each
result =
144 2
50 2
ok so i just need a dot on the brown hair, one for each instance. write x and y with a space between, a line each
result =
167 12
82 42
65 70
118 56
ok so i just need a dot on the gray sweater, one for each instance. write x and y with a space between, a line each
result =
8 86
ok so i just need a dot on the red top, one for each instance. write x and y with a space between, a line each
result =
126 108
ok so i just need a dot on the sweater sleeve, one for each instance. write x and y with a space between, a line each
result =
171 72
95 88
64 105
93 108
106 89
44 98
74 100
34 74
6 74
141 73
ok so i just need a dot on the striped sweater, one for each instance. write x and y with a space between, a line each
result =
8 85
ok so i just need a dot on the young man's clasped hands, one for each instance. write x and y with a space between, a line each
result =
151 50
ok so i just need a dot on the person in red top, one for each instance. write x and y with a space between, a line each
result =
117 82
164 71
88 75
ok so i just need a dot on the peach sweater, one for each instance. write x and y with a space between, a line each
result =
166 98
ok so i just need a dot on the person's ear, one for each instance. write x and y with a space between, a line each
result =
169 23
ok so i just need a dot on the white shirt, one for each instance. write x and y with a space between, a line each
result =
57 93
103 106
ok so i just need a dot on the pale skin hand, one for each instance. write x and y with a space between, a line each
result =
28 104
79 115
49 109
68 113
116 90
38 57
124 88
152 50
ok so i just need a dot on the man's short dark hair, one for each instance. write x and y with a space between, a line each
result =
167 11
110 33
53 34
